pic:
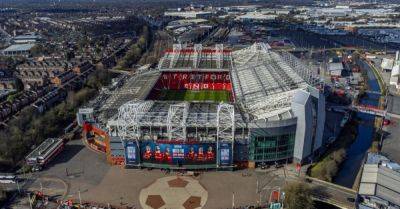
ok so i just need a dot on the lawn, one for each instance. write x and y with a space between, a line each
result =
188 95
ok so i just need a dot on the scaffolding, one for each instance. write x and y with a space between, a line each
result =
176 121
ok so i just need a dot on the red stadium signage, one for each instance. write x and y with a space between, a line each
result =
195 81
191 51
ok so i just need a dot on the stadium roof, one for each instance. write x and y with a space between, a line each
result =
182 58
265 81
135 87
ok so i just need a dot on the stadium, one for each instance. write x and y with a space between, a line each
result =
211 108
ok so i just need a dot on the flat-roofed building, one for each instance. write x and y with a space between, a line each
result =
26 38
394 76
335 69
189 14
387 64
380 183
23 50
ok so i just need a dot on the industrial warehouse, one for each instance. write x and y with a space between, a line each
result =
210 108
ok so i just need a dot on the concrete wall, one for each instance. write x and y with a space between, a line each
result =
318 100
302 109
320 121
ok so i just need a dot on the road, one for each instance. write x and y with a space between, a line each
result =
333 194
322 190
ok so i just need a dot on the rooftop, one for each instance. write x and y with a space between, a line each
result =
381 178
265 81
198 57
198 114
19 47
29 36
134 88
334 66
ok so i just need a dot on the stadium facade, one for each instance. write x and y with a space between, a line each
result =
211 107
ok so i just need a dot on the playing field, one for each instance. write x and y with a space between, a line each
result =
188 95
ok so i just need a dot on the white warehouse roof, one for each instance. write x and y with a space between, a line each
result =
19 47
380 181
387 64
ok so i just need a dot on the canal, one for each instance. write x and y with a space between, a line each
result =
356 152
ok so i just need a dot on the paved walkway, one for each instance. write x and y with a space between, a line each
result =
173 192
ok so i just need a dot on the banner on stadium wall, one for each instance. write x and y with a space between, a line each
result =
178 154
131 153
225 154
196 81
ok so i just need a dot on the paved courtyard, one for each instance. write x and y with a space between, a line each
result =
132 187
180 192
87 173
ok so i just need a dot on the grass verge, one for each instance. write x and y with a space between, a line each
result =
328 165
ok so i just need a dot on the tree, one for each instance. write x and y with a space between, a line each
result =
3 195
339 155
37 50
331 169
298 195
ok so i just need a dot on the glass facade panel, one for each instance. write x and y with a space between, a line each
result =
272 148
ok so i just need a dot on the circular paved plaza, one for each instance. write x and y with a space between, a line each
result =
173 192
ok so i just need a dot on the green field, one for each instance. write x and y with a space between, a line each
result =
188 95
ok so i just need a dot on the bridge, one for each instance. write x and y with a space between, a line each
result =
319 50
332 193
373 92
367 109
327 192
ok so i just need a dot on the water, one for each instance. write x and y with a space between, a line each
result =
356 152
322 205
